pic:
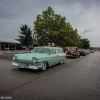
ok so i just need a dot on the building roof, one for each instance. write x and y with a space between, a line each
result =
7 40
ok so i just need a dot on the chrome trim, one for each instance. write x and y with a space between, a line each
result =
14 64
35 67
30 67
26 63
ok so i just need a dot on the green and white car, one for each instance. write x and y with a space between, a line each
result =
39 58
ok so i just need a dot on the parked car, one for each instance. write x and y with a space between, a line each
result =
65 49
92 51
39 58
73 51
82 52
87 51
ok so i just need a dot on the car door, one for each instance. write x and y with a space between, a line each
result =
60 54
53 57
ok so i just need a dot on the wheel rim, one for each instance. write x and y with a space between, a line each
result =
61 61
44 66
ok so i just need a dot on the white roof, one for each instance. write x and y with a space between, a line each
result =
2 39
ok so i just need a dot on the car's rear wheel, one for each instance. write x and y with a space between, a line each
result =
44 66
61 62
79 56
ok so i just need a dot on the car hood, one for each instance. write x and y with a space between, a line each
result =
81 51
29 56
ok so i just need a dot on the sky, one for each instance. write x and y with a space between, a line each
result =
81 14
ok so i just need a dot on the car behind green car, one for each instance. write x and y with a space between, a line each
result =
39 58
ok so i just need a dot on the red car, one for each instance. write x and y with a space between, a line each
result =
65 49
92 51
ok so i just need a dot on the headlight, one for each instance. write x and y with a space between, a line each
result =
13 57
34 60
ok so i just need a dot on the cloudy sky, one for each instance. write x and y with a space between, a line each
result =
82 14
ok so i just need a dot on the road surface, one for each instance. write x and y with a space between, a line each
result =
76 79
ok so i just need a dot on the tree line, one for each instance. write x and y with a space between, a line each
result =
52 28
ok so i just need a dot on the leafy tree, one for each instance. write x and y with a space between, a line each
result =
84 43
48 26
34 39
71 37
26 35
91 48
52 28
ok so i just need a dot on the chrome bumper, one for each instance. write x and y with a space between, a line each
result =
29 67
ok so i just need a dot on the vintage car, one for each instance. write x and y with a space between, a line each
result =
65 49
73 51
82 52
87 51
92 51
39 58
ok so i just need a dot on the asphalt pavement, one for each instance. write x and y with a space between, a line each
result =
76 79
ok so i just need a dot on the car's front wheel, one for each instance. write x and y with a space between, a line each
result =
44 66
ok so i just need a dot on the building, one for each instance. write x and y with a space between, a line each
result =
96 48
9 44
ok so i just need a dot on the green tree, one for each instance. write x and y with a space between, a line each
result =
34 39
91 48
26 35
71 37
48 27
52 28
84 43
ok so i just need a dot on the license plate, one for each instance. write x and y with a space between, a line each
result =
22 66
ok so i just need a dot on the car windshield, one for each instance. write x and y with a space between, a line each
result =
41 50
72 48
81 50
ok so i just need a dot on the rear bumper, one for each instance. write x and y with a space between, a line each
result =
72 55
29 67
82 54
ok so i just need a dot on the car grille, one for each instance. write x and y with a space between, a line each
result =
26 63
69 52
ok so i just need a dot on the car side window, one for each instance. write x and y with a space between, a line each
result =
59 51
37 50
53 51
45 51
